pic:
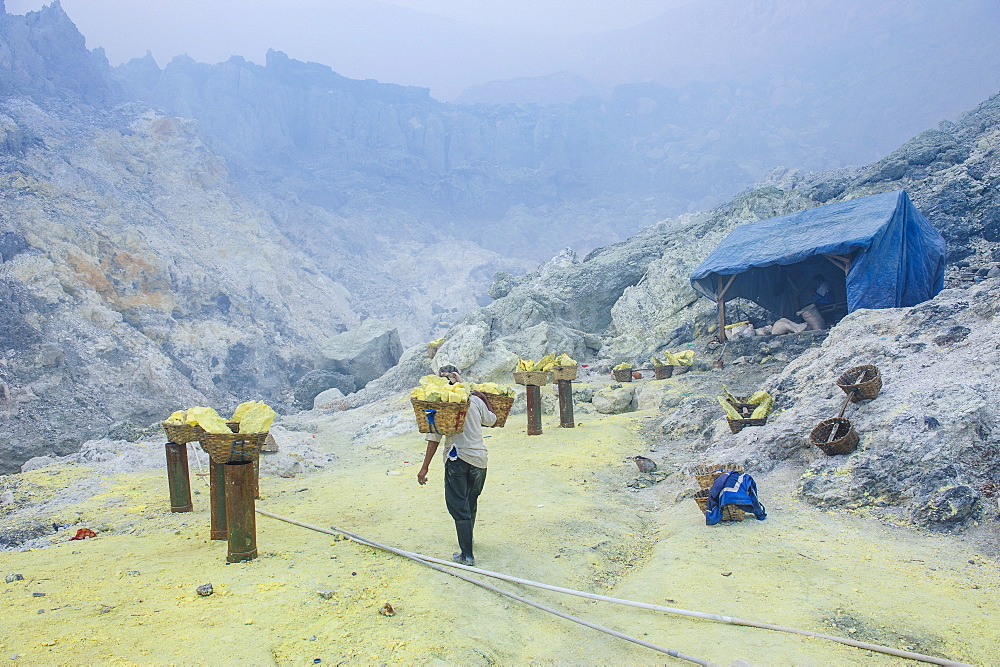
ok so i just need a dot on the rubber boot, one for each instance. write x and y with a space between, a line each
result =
464 530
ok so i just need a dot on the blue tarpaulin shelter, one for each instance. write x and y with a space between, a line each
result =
887 253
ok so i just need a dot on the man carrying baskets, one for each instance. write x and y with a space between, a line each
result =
464 466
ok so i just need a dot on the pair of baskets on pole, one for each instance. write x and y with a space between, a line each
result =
837 435
541 378
449 418
231 447
659 373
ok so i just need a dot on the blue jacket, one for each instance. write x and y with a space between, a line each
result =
733 488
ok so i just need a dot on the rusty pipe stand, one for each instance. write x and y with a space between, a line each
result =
534 409
178 478
217 482
240 516
566 404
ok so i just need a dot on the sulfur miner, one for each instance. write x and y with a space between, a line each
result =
464 466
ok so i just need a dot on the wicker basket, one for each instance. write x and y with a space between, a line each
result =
564 373
501 407
623 375
729 512
535 378
233 426
662 372
440 417
737 425
707 474
182 434
845 441
865 390
232 447
742 405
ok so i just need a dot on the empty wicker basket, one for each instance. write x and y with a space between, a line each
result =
623 375
439 416
868 388
662 372
729 512
845 439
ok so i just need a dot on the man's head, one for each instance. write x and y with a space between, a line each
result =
451 372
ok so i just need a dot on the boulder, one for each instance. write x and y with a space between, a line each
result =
649 395
614 399
330 399
364 353
316 382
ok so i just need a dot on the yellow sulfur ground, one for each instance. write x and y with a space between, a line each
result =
555 510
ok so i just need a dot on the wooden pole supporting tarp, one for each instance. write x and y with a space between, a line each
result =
720 299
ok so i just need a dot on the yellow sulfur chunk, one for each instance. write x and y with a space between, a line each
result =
258 418
176 418
764 409
208 419
565 360
242 408
545 363
731 412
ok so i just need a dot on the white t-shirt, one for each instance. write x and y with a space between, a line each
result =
468 445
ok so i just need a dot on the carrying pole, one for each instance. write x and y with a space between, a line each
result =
566 404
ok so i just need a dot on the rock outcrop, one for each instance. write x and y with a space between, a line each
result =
929 445
139 283
363 353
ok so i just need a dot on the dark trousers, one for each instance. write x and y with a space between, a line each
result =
463 482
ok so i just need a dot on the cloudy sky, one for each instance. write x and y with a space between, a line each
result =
411 42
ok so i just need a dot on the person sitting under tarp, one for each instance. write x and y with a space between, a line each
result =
821 293
733 488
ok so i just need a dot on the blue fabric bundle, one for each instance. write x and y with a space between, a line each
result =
733 488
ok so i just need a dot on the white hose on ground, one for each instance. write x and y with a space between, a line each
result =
424 561
642 605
